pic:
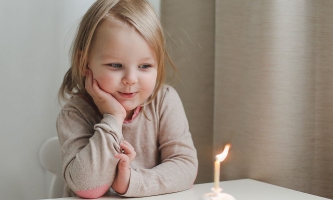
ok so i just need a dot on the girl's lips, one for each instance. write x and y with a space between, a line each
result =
127 95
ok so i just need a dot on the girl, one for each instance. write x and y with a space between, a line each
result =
122 129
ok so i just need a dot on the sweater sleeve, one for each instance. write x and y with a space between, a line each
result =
179 164
87 150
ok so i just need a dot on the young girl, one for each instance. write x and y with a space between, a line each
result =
122 129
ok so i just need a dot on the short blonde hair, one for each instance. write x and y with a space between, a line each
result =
137 13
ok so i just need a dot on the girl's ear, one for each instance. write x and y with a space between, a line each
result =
85 70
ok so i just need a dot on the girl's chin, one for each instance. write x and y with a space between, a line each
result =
130 105
130 108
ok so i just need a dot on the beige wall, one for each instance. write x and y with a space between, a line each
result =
189 27
269 92
273 92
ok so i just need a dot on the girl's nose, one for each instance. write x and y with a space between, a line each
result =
130 77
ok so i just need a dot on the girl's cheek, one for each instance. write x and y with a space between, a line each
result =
105 83
96 73
99 77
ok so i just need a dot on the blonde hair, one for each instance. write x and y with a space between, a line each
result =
137 13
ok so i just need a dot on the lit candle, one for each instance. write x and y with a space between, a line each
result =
219 158
216 173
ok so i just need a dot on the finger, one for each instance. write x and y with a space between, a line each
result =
124 160
98 91
122 157
128 144
92 87
128 150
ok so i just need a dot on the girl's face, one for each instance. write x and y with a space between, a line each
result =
123 63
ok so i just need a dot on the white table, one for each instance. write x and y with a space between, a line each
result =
244 189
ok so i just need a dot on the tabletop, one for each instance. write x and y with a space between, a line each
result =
243 189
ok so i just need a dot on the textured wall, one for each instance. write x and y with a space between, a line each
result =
274 92
189 26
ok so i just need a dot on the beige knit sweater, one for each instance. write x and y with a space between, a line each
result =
166 159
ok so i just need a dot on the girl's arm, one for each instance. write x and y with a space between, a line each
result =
178 155
89 161
87 150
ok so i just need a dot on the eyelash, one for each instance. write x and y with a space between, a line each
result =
113 65
147 66
118 66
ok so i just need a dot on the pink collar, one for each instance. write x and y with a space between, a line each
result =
136 112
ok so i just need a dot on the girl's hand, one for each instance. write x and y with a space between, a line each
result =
104 101
121 182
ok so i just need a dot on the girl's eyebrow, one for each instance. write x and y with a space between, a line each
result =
108 56
149 58
115 57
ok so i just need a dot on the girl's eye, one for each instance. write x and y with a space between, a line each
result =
145 66
115 65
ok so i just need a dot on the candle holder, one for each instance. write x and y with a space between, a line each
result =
217 194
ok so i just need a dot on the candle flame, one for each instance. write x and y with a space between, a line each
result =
223 155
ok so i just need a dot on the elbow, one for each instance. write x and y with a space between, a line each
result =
85 185
194 173
93 193
190 175
193 178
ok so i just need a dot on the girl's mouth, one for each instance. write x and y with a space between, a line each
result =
127 95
